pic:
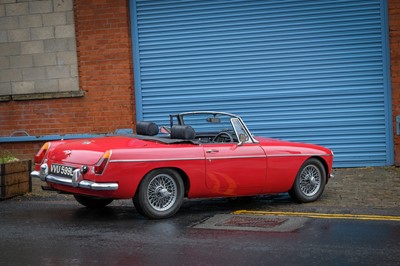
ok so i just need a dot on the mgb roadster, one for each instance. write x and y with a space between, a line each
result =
197 155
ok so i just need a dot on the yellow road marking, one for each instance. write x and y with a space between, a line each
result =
324 215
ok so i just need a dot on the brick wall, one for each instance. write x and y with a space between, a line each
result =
105 74
394 33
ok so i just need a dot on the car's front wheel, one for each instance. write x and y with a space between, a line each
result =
310 182
92 202
160 194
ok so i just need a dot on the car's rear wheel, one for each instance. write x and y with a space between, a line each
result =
310 182
137 205
92 202
160 194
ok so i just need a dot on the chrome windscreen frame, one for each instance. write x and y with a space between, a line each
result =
215 113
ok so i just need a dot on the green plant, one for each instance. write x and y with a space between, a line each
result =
6 157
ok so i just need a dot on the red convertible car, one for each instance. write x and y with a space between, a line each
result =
199 155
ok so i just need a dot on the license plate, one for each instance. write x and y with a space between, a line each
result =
62 170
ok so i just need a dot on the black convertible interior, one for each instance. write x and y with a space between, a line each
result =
182 133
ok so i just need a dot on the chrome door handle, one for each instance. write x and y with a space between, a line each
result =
212 151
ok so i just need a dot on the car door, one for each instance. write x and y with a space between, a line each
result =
234 170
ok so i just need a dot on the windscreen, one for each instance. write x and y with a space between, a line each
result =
208 122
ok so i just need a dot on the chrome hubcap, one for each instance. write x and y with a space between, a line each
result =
310 180
162 192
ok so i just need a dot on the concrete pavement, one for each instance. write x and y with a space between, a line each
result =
370 190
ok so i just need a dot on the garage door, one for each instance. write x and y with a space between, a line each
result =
309 71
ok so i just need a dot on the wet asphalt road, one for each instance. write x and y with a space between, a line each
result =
58 231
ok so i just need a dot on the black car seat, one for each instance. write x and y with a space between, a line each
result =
146 128
182 132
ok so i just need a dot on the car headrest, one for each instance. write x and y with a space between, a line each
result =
182 132
146 128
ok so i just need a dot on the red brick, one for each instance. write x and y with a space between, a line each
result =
394 35
105 73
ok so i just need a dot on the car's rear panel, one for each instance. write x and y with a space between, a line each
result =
129 160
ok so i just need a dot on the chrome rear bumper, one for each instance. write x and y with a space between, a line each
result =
76 181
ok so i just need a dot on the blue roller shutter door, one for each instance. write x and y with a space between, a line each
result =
309 71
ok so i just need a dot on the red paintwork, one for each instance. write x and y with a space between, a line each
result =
269 166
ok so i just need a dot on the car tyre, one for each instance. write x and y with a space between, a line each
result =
92 202
136 203
160 194
310 182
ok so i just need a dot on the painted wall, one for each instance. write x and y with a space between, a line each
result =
37 49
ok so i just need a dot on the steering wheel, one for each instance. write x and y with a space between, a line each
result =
223 137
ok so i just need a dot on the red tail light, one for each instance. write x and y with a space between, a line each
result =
102 163
41 153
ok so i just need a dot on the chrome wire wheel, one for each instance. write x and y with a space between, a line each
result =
162 192
310 180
